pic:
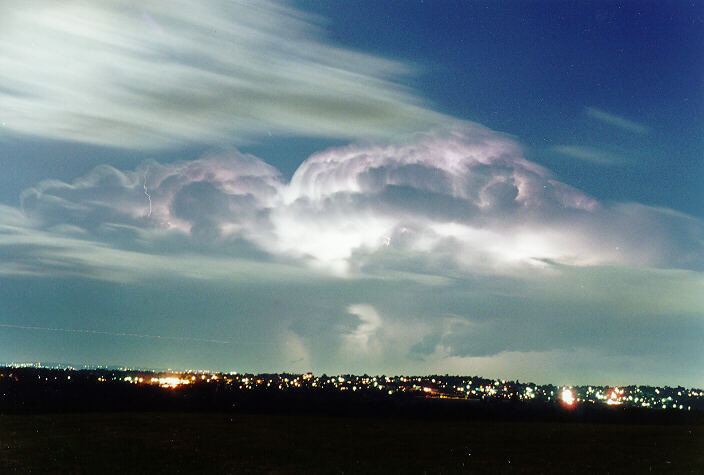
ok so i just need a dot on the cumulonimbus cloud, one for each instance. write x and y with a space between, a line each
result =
135 74
463 199
450 245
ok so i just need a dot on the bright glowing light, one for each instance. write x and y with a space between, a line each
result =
615 397
170 382
146 193
567 397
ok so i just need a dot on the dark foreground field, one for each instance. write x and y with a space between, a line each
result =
217 443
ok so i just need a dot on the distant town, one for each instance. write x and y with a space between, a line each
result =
471 388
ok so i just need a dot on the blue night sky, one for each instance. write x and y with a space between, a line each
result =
512 189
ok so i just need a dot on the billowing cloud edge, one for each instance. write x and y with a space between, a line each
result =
447 203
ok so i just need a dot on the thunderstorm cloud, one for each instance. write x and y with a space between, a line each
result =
445 249
133 199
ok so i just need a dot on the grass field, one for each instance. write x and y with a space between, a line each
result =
226 443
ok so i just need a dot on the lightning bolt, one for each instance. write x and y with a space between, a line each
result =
99 332
146 192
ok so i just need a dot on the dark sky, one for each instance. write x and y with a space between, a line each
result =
510 189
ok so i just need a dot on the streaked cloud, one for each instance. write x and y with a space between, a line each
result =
617 121
136 74
589 154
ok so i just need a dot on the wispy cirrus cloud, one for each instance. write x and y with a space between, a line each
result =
617 121
137 74
590 154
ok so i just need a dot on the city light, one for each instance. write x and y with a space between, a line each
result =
615 397
567 397
431 387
